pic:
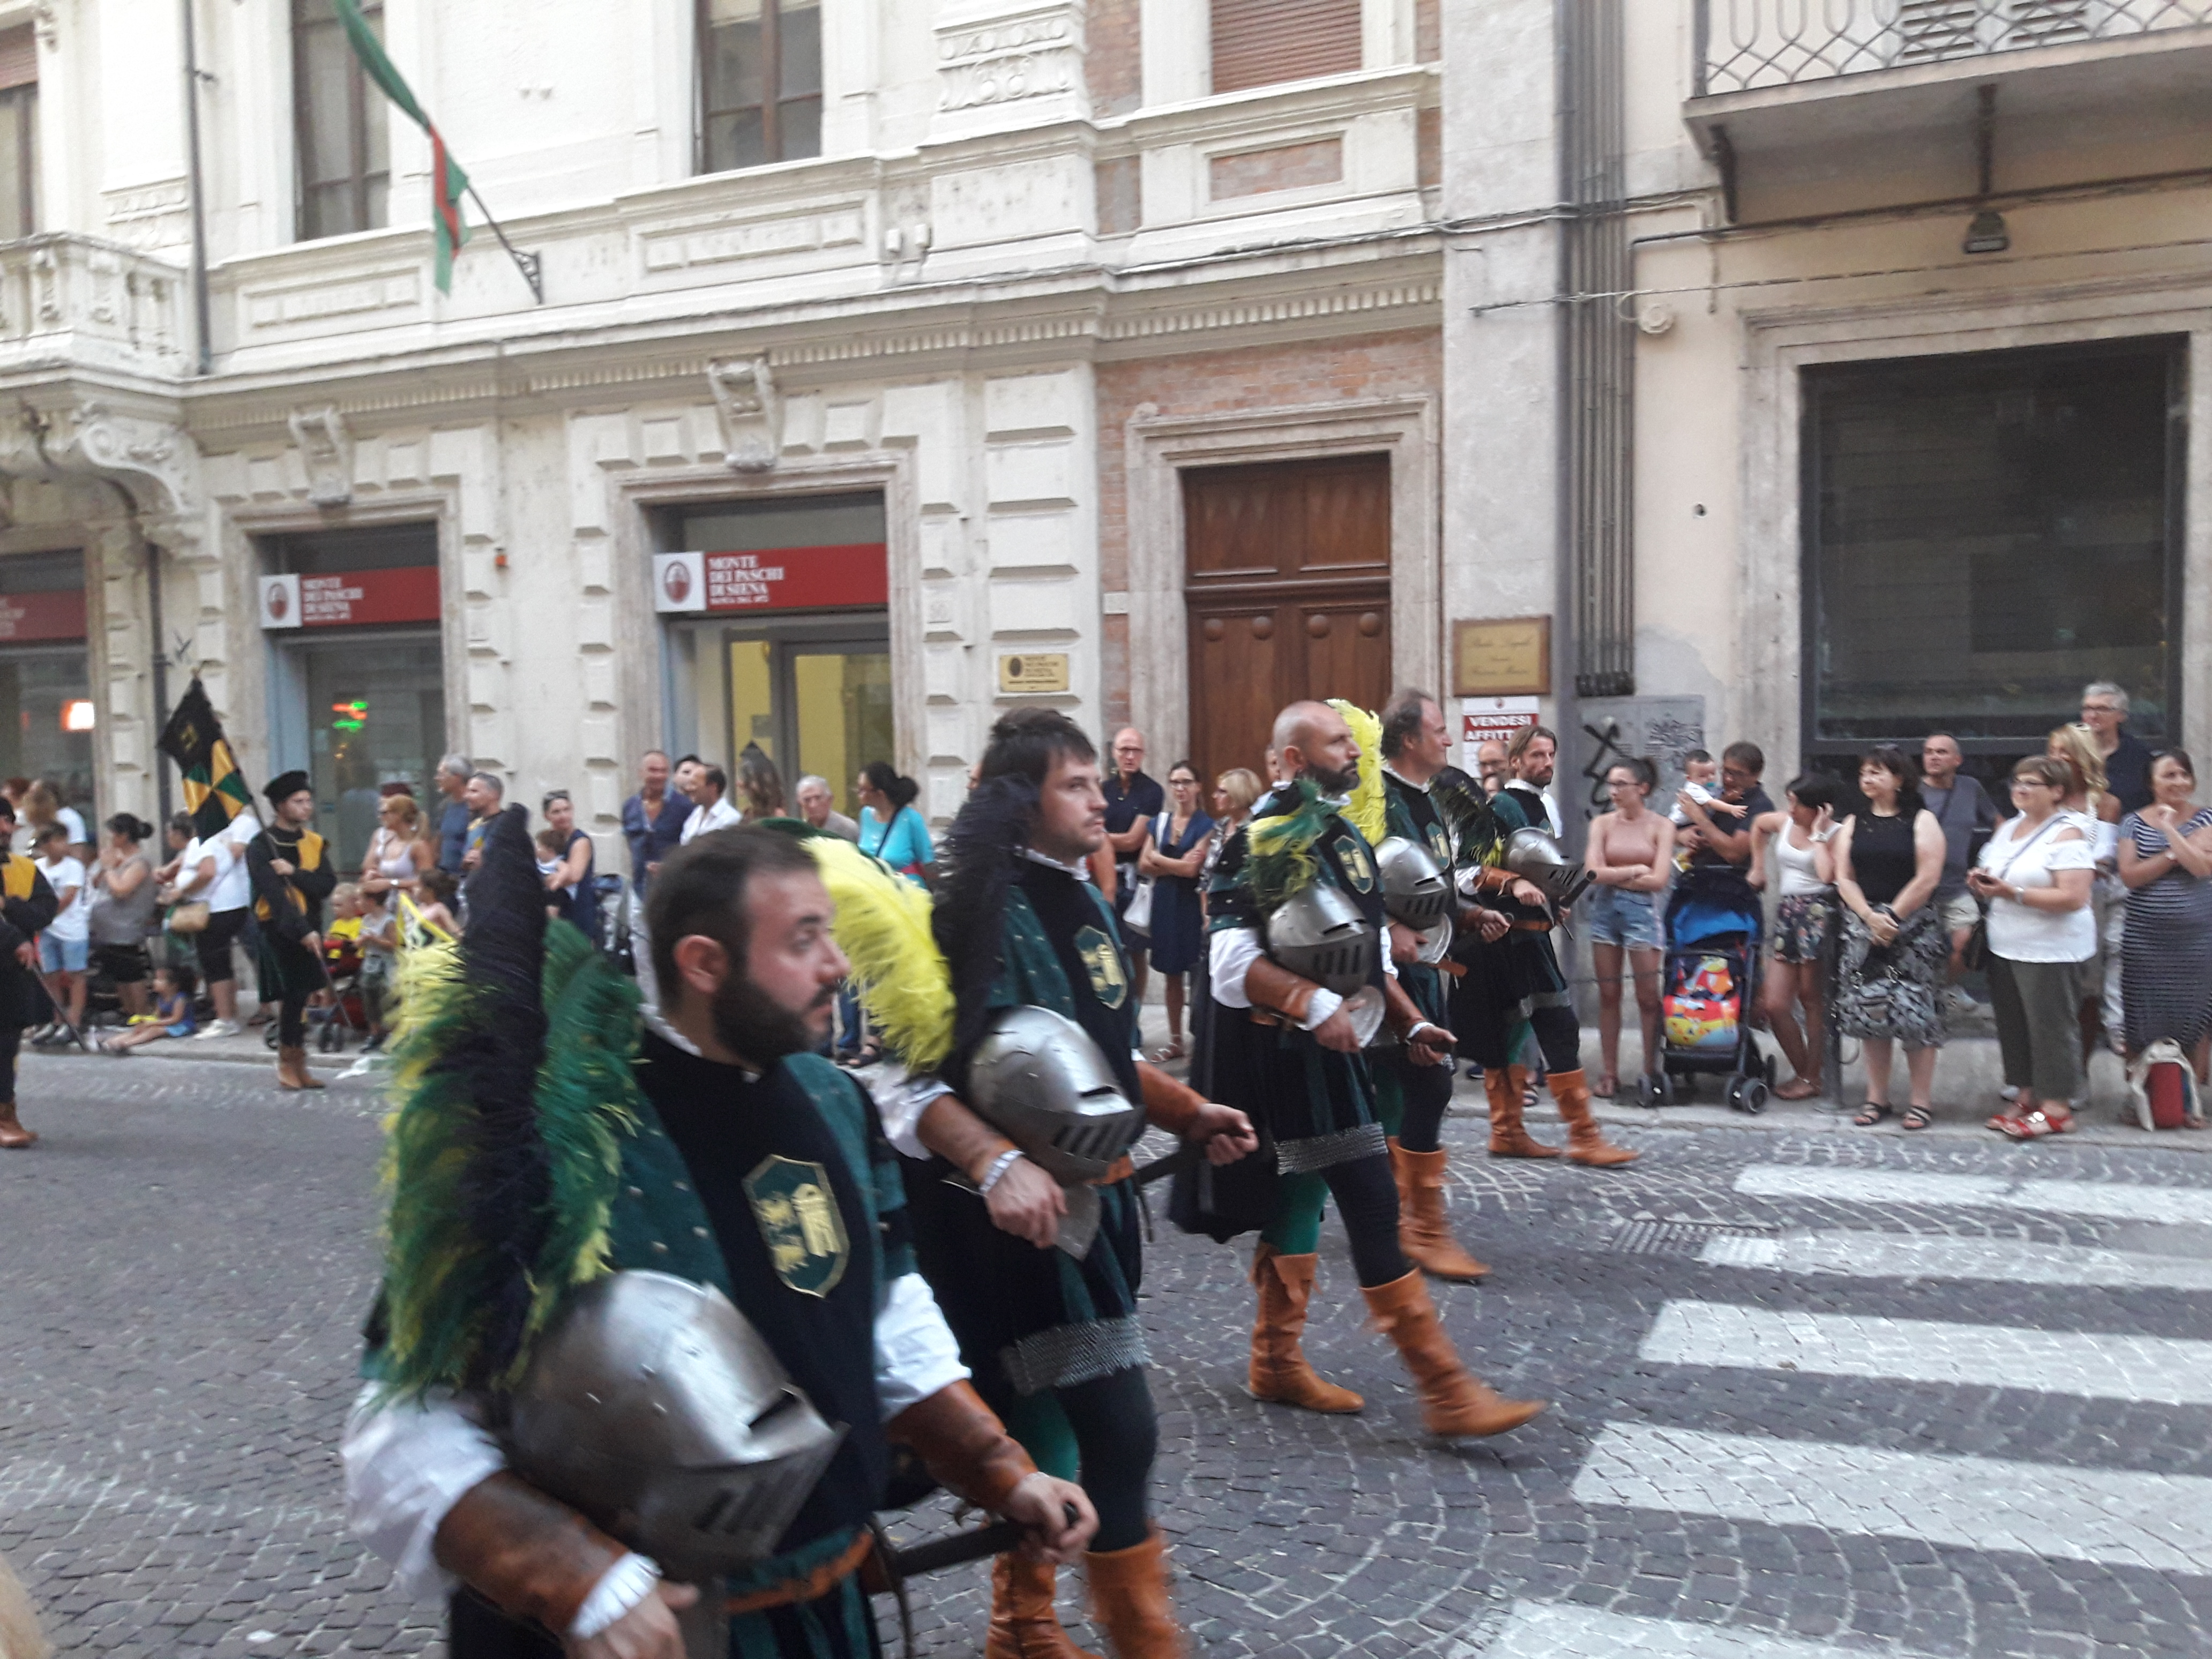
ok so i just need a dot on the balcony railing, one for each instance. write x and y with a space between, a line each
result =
1746 45
77 299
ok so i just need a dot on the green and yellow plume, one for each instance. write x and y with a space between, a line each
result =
1367 809
1279 859
898 972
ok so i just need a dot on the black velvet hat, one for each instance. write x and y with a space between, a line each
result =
285 785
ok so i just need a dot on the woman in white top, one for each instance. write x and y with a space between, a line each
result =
1804 921
212 871
2034 875
399 852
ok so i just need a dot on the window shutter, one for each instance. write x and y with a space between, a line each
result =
1258 43
19 58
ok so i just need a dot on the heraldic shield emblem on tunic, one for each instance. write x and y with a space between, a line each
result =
1359 868
797 1214
1109 983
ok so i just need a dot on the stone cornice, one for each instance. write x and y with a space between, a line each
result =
1363 285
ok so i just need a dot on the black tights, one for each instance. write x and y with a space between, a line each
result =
297 980
1560 1034
11 1041
1426 1091
1366 1195
1117 1436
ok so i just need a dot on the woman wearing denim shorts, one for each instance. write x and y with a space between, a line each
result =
1631 858
1804 920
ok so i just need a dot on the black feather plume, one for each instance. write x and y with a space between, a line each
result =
508 1179
969 920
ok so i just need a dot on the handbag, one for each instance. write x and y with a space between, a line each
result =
1975 956
188 916
1138 918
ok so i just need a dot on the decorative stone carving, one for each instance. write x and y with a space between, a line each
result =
995 53
327 448
750 410
151 458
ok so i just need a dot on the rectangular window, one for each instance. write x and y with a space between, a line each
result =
18 133
1984 535
341 125
760 82
1259 43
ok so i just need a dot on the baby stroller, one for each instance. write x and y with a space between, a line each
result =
1709 988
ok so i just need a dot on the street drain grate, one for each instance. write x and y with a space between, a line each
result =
1678 1238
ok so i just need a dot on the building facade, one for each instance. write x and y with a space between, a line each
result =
898 362
1832 375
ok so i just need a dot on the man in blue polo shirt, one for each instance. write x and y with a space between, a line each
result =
651 820
454 817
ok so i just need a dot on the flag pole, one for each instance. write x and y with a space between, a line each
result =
530 264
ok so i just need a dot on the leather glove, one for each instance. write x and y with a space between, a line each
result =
964 1445
530 1556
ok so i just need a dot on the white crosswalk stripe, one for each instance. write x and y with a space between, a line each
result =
1537 1630
2156 1370
2118 1517
2172 1205
1890 1255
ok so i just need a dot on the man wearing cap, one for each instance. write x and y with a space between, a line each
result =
27 905
290 868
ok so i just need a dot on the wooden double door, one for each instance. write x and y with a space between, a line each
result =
1287 587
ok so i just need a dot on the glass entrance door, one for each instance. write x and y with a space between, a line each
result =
812 702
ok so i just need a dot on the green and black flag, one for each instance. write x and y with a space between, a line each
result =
214 793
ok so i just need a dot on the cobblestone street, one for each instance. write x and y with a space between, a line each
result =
1817 1394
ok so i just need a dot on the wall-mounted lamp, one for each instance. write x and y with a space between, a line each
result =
1987 234
78 715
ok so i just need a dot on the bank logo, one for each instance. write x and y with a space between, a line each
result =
796 1212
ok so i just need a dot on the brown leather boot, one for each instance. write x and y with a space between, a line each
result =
1023 1622
292 1071
1453 1402
1504 1084
14 1137
1278 1370
1586 1142
1423 1233
1129 1598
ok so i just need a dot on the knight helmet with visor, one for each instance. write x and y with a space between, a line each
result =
1415 890
1536 857
1038 1078
1320 934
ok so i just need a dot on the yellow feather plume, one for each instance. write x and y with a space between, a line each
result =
1366 808
898 972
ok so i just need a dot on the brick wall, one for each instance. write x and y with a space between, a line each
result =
1300 375
1111 65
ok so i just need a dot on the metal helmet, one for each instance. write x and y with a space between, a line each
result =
654 1407
1320 934
1039 1079
1533 855
1415 888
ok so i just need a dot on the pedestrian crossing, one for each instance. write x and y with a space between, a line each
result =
2114 1516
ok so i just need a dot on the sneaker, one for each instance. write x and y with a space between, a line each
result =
1961 1001
220 1028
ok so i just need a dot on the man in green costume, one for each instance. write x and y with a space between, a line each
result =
1288 1051
535 1143
1053 1337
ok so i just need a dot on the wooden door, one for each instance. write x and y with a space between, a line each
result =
1287 587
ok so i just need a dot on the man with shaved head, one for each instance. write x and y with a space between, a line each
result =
1133 801
1288 1051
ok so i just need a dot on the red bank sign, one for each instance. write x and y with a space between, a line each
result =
787 579
59 615
406 595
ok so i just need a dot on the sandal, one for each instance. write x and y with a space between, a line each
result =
1172 1052
1918 1117
1874 1111
2034 1125
1606 1088
1799 1088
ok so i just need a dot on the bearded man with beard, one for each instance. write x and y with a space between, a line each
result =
1290 1053
733 1159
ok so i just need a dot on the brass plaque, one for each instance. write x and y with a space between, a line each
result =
1508 658
1034 671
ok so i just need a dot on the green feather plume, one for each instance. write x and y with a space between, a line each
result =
437 1273
1367 810
898 972
1279 859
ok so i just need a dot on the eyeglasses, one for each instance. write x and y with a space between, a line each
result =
2099 708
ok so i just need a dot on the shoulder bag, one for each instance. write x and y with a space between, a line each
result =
1138 918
